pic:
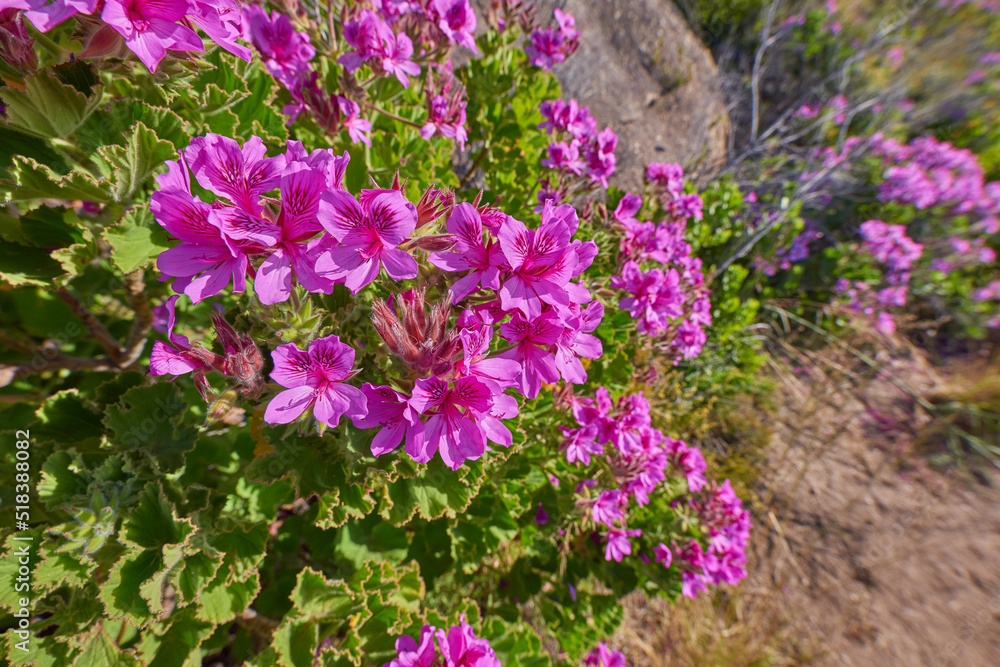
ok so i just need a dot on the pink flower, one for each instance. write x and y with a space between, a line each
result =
602 656
662 554
241 175
542 261
618 545
576 341
532 340
391 410
357 127
368 232
580 443
453 427
412 654
315 379
285 51
470 253
667 175
608 507
456 20
47 16
150 27
205 261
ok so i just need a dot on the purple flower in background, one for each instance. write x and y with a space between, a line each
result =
618 545
541 517
285 52
368 232
662 554
667 175
602 656
456 20
315 379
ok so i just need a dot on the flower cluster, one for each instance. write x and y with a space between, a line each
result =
580 150
395 39
551 46
638 458
284 238
796 252
147 27
927 172
456 646
896 252
452 395
669 300
728 525
602 656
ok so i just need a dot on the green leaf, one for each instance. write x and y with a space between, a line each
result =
23 265
133 163
30 180
220 602
177 646
66 418
101 651
47 107
137 240
152 524
372 539
57 569
151 419
122 592
107 124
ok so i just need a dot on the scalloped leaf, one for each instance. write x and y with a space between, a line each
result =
151 419
133 163
47 107
137 240
153 523
101 651
30 180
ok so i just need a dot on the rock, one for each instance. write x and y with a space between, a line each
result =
642 71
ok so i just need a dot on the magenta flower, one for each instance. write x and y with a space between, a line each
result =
618 545
412 654
301 186
667 175
223 22
47 16
315 379
357 127
532 340
150 27
204 263
542 261
240 174
602 656
391 410
470 253
369 231
456 20
608 507
453 428
662 554
397 58
541 517
460 647
285 52
564 157
576 341
580 443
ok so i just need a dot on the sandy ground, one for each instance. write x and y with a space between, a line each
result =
863 554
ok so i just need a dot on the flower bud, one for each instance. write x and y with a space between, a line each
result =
16 46
434 204
432 242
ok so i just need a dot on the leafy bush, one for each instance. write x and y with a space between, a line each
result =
215 374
